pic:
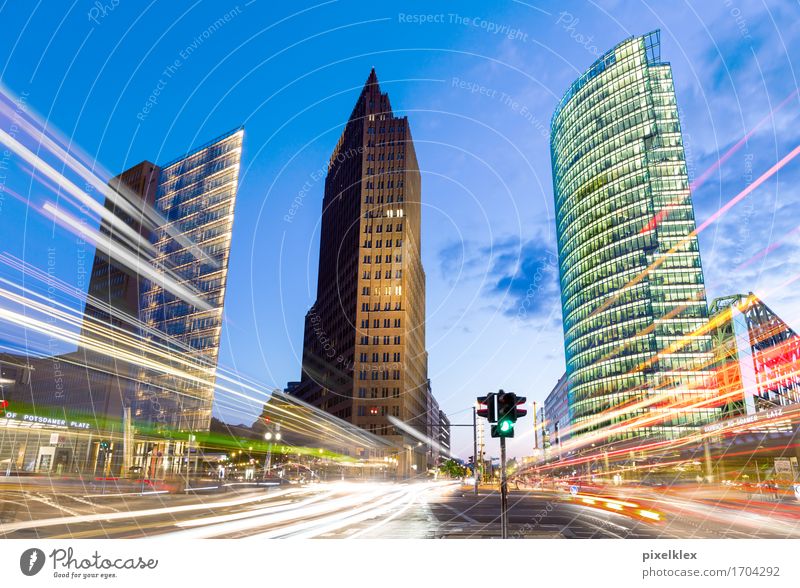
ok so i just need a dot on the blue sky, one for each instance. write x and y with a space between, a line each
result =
478 83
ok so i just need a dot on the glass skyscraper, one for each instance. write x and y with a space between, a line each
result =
196 196
632 292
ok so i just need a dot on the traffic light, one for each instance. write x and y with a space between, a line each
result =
104 445
519 409
487 407
3 406
507 413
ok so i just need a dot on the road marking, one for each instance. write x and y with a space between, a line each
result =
467 518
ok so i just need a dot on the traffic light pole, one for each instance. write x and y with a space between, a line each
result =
503 491
475 447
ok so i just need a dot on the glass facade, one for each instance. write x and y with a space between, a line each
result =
196 195
632 286
757 356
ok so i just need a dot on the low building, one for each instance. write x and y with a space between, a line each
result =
556 419
756 356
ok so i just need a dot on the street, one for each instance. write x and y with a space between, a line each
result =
349 510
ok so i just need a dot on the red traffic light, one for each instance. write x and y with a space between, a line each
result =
521 411
483 410
3 404
487 407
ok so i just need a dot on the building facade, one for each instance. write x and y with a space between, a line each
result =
556 421
632 288
364 357
757 356
196 197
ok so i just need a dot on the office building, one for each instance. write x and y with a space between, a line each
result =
364 356
556 422
196 196
632 289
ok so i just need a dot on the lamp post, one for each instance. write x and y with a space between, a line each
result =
268 436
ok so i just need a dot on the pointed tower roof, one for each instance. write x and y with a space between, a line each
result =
371 97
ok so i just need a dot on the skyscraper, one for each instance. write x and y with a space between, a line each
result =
196 195
632 289
364 356
112 303
89 382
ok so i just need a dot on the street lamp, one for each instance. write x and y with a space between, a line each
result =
268 436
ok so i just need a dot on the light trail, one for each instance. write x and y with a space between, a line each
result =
356 494
133 262
419 436
7 528
699 181
43 167
122 197
711 219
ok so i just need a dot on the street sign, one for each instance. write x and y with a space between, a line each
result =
783 465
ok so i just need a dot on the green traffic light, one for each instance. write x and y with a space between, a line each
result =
505 426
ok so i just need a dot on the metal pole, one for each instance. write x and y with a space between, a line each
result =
481 468
707 455
503 490
475 446
535 430
268 461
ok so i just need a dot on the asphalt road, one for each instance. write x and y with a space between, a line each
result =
350 510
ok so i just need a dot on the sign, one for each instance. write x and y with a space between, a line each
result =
796 488
42 420
54 439
783 465
745 420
